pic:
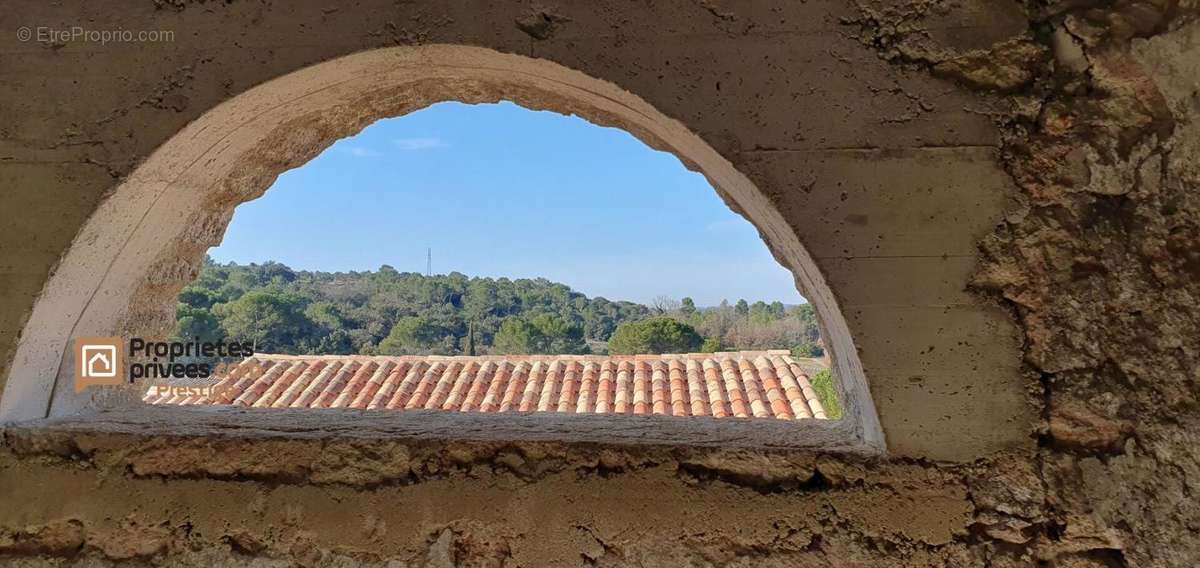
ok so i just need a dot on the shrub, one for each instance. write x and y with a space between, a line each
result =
654 335
822 382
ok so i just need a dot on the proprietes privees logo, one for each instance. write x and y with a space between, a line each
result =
100 361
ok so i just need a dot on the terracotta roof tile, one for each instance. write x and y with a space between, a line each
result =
407 387
381 395
294 390
747 384
569 387
455 386
533 387
697 394
738 403
365 374
475 393
642 394
317 385
718 400
680 398
337 383
549 386
515 388
606 388
425 386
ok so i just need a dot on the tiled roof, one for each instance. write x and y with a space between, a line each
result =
758 384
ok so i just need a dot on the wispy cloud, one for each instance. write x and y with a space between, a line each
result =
361 152
409 144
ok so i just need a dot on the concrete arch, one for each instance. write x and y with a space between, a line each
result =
146 240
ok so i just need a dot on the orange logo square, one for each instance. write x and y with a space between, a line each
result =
99 361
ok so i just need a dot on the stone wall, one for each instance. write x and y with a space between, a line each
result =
1068 133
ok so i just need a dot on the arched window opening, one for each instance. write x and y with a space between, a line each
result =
120 280
490 258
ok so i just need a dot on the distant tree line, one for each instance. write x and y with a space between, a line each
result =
387 312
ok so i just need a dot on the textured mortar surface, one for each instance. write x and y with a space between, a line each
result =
1089 109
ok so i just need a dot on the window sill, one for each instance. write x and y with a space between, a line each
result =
423 427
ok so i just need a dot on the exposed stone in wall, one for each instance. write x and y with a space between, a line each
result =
1099 264
238 498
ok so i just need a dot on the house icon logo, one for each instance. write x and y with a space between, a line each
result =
98 361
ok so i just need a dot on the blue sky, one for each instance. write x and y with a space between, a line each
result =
498 190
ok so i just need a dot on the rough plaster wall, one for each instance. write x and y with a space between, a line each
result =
1100 263
1098 105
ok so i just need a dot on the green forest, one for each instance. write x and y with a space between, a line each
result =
387 312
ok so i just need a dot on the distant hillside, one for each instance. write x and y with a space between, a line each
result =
389 312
